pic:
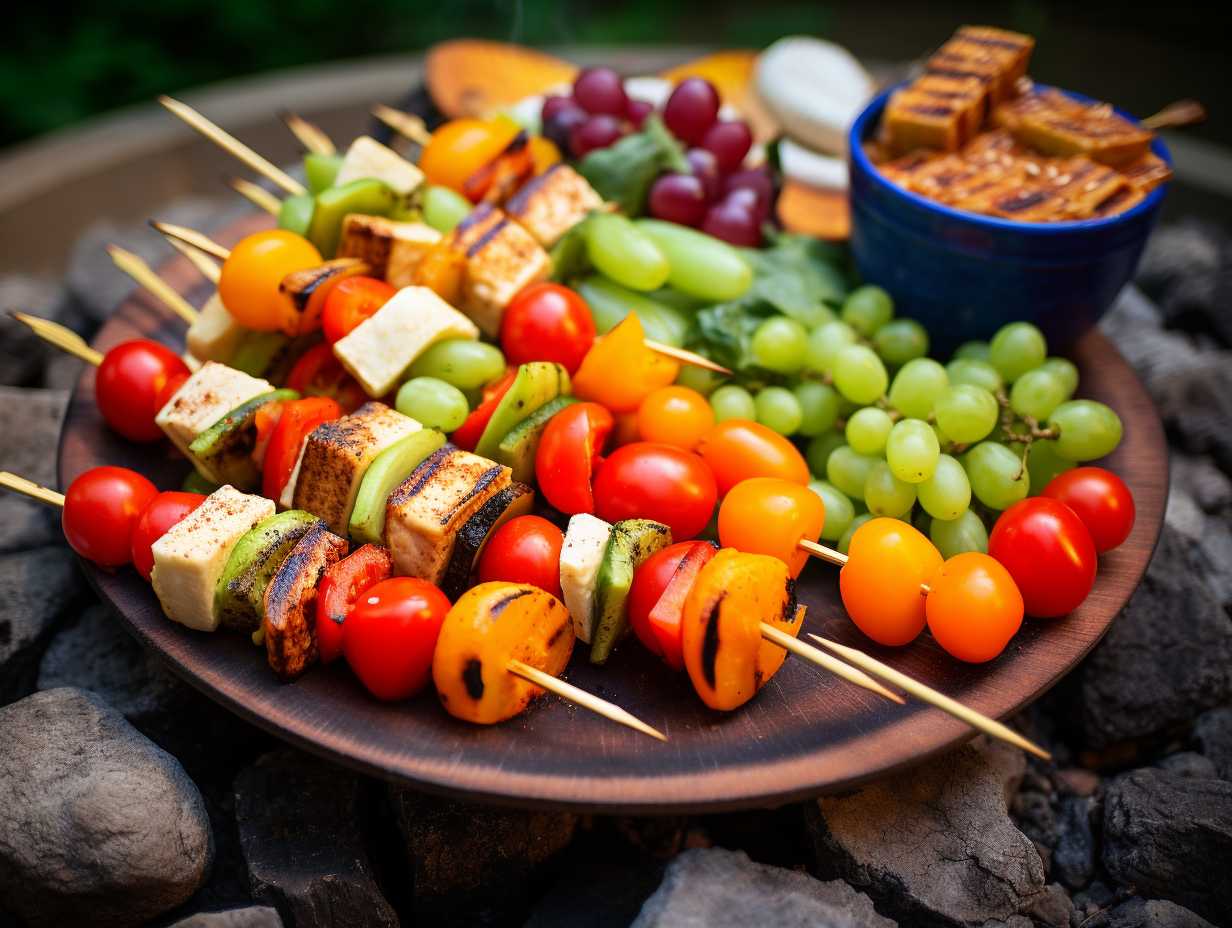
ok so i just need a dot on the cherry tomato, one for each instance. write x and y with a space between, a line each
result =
101 510
164 510
343 583
973 607
350 302
133 383
767 515
625 431
649 481
249 284
649 615
737 449
1048 552
887 561
547 322
1100 499
319 373
467 435
390 635
568 455
675 415
461 147
298 419
525 549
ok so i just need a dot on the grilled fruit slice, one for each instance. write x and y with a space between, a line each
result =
631 542
239 597
517 499
473 77
288 624
306 291
490 625
1056 124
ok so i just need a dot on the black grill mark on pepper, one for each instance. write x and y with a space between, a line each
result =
472 678
501 604
710 641
560 630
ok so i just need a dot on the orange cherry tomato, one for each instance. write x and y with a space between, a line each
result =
769 515
887 561
250 279
973 607
350 302
675 415
461 147
620 371
737 449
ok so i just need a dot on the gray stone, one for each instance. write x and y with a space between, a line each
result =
1179 250
37 588
1188 764
97 825
1207 484
717 888
22 353
1213 734
1052 907
1152 913
253 916
35 415
1171 837
935 845
298 820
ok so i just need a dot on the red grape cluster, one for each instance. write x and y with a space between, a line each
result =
596 114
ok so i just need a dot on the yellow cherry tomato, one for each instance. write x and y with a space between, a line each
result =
619 371
675 415
767 515
973 607
887 562
251 275
461 147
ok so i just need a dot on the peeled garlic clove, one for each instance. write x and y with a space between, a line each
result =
812 168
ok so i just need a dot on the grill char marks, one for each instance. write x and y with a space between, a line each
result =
710 641
472 678
290 639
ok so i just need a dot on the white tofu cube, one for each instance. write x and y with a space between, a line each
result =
369 158
205 397
214 334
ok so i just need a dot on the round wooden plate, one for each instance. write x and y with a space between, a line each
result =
804 734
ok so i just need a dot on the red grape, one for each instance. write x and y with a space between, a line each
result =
600 90
734 222
706 169
554 104
755 179
563 120
691 109
678 198
745 198
596 132
730 141
637 111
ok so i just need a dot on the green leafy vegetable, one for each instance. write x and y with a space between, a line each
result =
622 173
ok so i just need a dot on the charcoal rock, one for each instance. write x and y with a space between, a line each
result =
253 916
22 353
1171 837
1200 478
298 820
97 824
37 588
717 888
1188 764
936 845
35 415
1178 251
1073 853
1149 913
610 892
1052 907
1213 735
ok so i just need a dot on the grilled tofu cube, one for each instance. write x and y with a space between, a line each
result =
289 620
500 262
204 398
427 509
580 556
382 347
914 120
335 456
190 557
551 204
1148 172
391 249
368 158
1012 49
214 334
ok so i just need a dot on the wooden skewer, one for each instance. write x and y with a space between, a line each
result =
191 237
931 696
208 268
255 194
62 337
582 698
232 145
1175 115
686 357
311 136
827 662
406 125
138 270
29 488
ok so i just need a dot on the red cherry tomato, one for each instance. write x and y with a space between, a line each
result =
648 481
298 419
654 612
524 550
350 302
133 382
342 584
1100 499
101 509
547 322
1048 552
164 511
390 635
568 454
319 373
469 432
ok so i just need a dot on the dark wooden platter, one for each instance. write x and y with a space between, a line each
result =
806 733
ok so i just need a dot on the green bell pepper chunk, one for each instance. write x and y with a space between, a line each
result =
320 171
367 196
296 213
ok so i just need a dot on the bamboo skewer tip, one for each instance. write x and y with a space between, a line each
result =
136 267
255 194
581 697
310 135
405 124
686 357
59 336
828 662
19 484
191 237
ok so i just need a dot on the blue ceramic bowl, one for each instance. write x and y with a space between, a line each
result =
964 275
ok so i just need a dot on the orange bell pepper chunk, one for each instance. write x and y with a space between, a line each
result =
619 371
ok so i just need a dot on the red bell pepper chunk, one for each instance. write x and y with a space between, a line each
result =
469 432
568 455
664 618
341 586
319 373
296 420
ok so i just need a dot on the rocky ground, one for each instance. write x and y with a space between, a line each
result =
127 799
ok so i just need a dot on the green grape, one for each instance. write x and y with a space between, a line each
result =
917 386
819 450
868 429
1037 393
1016 349
997 476
947 493
443 208
732 402
434 403
461 362
824 343
698 378
839 511
972 351
845 541
624 253
778 344
777 408
1043 463
966 413
819 404
1063 370
966 533
849 471
859 374
901 340
1089 430
885 494
867 309
975 373
912 450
